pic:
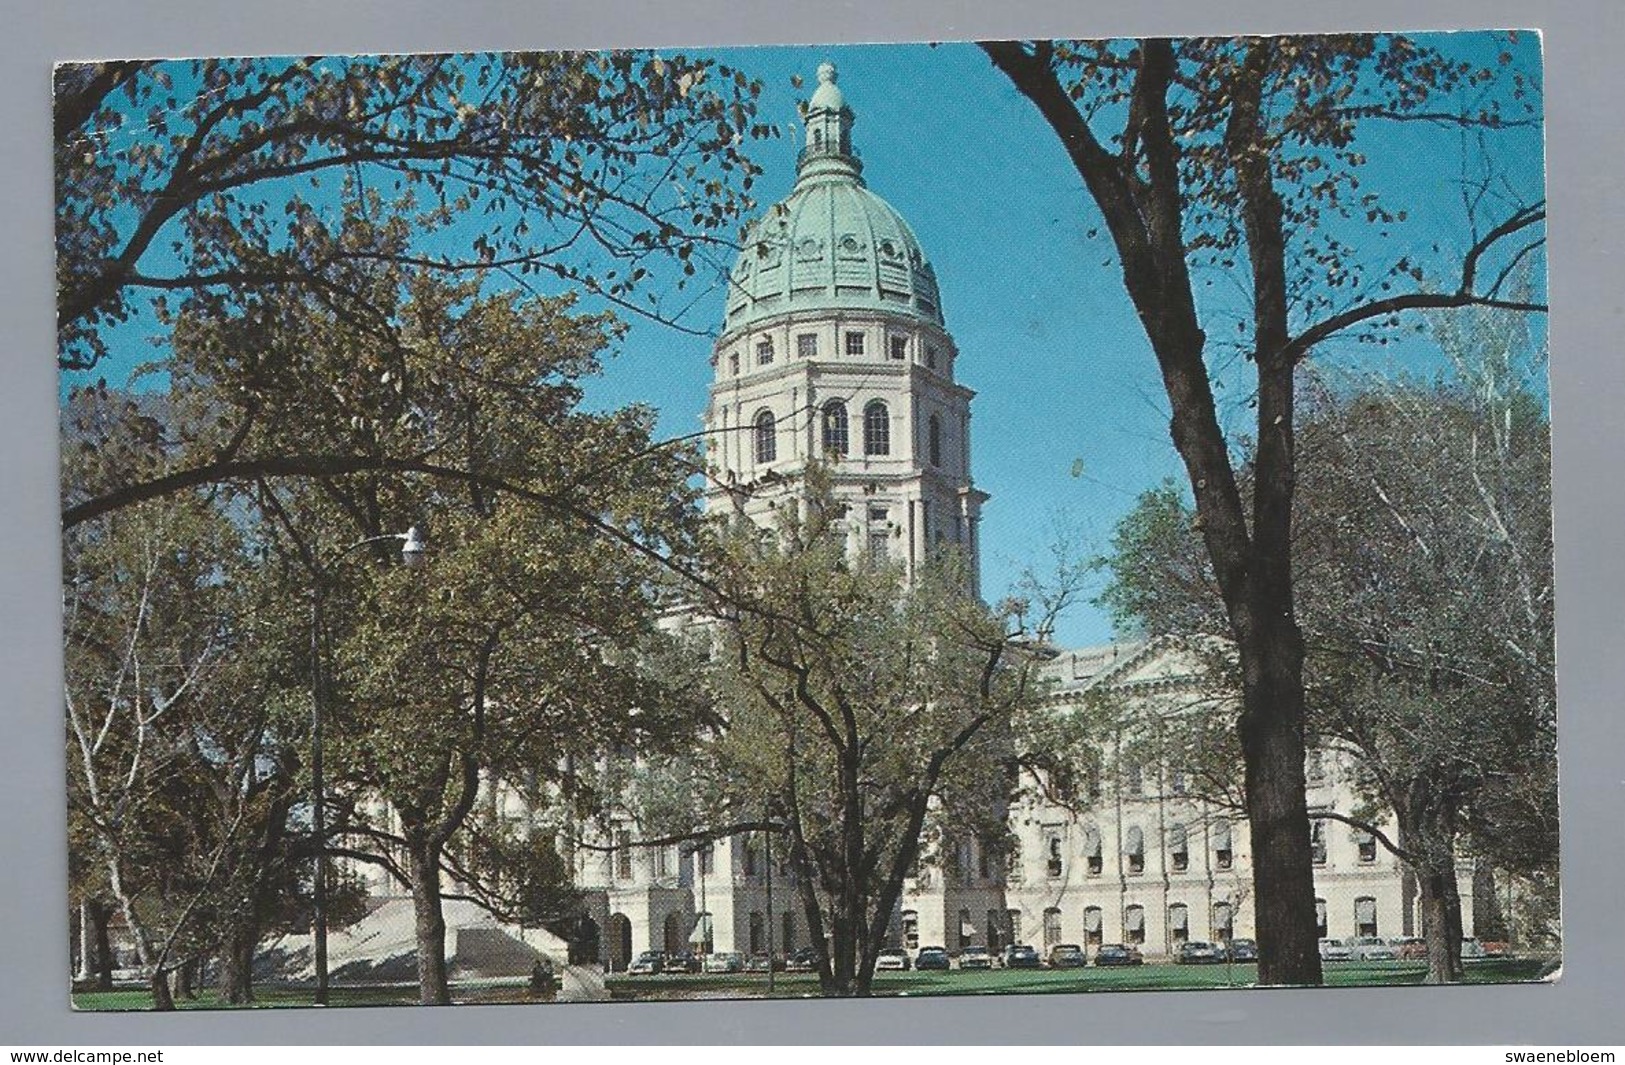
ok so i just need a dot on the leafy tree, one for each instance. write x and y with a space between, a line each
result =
222 189
180 781
1424 555
514 646
861 717
1252 148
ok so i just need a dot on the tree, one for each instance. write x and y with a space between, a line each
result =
515 644
860 717
1424 554
180 780
1253 146
221 188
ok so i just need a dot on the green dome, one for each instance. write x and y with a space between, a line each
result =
833 244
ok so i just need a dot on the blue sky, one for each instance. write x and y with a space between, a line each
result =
1070 422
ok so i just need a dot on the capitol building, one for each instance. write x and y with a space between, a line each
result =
834 345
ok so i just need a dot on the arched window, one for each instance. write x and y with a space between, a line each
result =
1223 855
767 442
1224 921
1052 927
933 434
876 429
836 437
1091 850
1179 922
1365 916
1092 933
1134 848
1179 852
1134 924
1320 918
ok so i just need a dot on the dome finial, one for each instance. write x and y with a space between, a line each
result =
827 73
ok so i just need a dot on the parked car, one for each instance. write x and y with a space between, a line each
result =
1118 954
649 963
1242 950
684 961
724 961
933 958
1334 950
1371 948
804 960
975 958
1495 948
893 960
1021 956
1197 952
760 963
1067 956
1409 948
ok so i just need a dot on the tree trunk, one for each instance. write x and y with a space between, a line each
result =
237 966
101 943
1271 729
434 987
158 984
1441 923
186 980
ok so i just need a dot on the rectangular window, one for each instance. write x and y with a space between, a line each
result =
623 855
1317 841
733 364
899 348
1368 846
764 353
707 857
879 542
1054 861
807 345
931 356
1133 780
854 344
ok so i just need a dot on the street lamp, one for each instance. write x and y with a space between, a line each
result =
412 552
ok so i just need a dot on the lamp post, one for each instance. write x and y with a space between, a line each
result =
412 550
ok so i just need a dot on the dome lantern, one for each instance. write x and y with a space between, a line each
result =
831 244
829 131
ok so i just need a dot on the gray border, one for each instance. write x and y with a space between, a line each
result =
1588 387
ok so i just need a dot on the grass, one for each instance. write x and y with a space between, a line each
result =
800 985
1062 981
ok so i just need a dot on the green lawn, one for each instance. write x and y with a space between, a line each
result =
1061 981
799 985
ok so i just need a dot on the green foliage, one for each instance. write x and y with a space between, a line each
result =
214 180
862 713
181 769
1423 553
